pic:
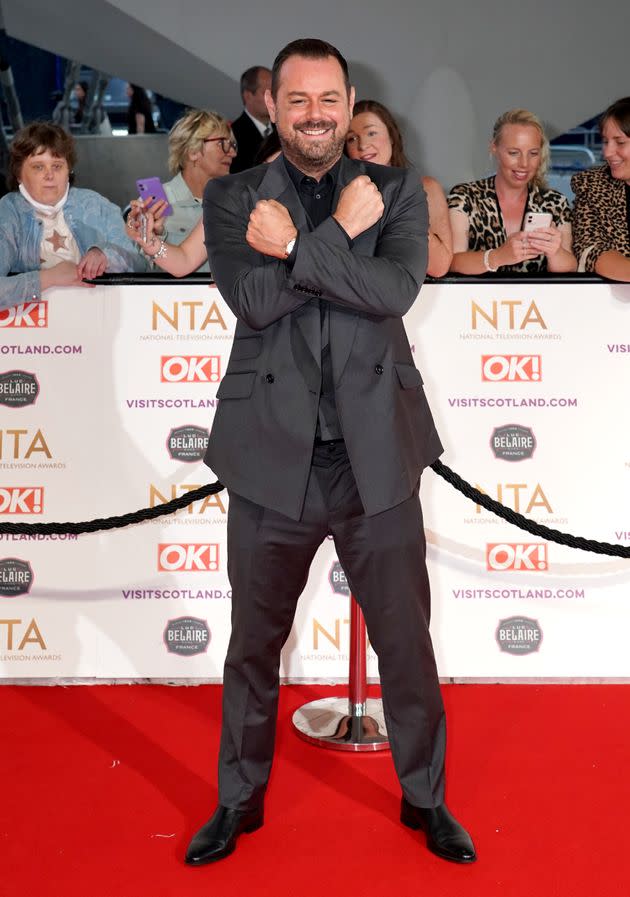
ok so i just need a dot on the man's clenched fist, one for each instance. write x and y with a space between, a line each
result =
360 206
270 228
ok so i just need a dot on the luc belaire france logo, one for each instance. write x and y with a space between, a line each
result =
16 577
187 636
18 388
337 579
519 635
187 443
513 442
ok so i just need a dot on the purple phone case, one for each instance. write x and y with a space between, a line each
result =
153 187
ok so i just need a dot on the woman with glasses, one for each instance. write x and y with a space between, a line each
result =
201 147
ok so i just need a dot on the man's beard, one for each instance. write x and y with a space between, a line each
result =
312 154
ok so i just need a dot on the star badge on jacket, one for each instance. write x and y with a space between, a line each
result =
57 241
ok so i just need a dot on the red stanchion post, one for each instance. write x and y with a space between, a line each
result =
355 723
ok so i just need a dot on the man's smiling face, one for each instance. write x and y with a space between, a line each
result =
312 112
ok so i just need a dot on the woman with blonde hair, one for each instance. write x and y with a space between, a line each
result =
201 147
488 217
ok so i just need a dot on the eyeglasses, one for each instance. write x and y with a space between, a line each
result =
226 143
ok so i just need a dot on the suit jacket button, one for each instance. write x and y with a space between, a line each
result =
270 378
378 369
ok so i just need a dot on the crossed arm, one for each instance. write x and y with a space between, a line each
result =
247 252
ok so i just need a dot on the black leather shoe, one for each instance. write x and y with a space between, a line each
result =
445 836
217 838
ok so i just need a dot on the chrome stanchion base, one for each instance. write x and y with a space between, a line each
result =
337 724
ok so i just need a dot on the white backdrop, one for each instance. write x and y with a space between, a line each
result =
106 396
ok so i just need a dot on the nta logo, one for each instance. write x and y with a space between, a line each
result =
192 315
177 490
191 557
187 636
21 500
520 496
16 577
28 314
31 635
18 388
528 556
13 445
507 314
513 368
519 635
190 368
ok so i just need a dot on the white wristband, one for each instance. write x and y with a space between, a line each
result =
486 261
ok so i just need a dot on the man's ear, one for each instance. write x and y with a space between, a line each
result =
351 100
271 106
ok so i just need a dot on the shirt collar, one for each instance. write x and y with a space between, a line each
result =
180 190
261 127
300 179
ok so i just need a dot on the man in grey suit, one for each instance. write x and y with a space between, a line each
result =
323 427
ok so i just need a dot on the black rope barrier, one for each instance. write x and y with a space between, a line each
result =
105 523
530 526
176 504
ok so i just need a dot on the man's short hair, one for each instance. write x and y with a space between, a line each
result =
249 79
309 48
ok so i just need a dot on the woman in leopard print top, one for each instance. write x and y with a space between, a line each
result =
601 238
487 216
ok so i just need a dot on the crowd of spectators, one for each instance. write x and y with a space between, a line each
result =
54 234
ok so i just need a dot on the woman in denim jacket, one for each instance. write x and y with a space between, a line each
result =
52 234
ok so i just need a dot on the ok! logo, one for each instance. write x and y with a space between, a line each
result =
511 368
28 314
529 556
21 500
190 368
188 556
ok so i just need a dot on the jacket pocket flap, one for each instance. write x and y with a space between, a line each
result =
246 347
409 376
237 386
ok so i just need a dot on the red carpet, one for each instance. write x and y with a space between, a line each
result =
103 786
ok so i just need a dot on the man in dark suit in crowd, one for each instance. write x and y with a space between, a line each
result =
323 427
253 125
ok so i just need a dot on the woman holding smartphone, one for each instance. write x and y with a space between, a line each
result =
201 147
497 222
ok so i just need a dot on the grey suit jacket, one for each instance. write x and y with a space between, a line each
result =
263 432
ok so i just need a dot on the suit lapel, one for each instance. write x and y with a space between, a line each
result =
306 333
305 322
343 323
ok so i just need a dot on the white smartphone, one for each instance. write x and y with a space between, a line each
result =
534 220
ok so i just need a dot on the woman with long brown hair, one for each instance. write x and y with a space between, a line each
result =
374 136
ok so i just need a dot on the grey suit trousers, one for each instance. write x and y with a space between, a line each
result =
383 556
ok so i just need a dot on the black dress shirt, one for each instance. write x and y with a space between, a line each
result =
317 199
